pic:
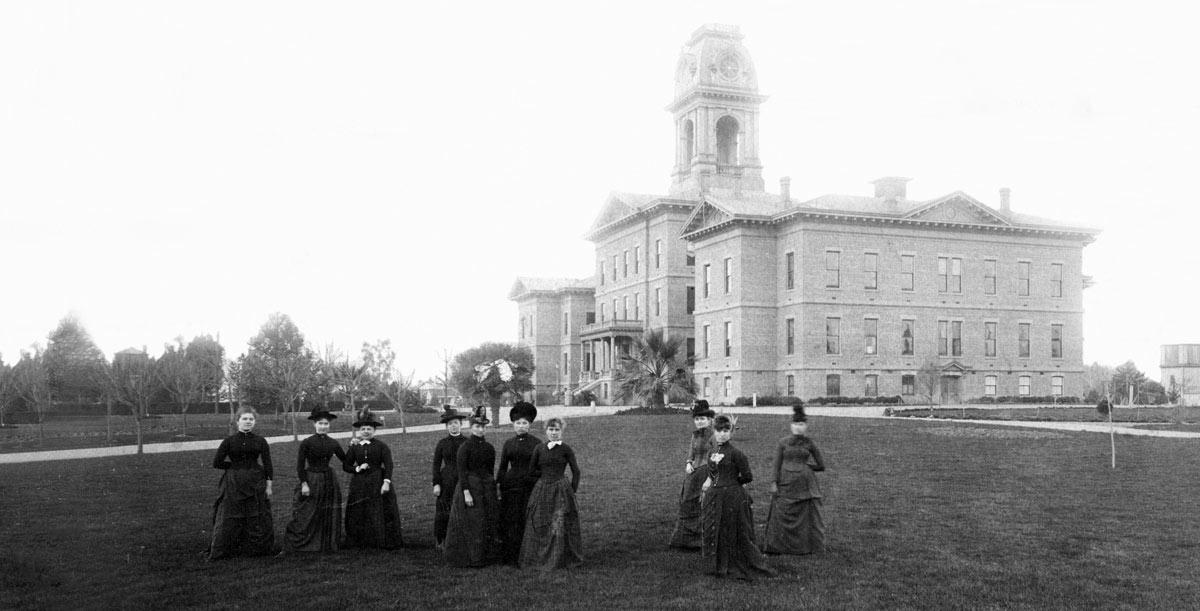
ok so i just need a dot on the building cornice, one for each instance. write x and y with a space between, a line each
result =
661 205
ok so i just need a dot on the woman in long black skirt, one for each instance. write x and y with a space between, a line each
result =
316 524
372 513
794 523
687 534
729 547
242 522
445 471
552 535
471 537
514 481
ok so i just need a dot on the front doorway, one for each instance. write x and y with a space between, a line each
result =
951 390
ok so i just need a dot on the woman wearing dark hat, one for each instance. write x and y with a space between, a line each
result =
514 479
552 535
794 523
687 533
316 524
242 522
471 538
727 517
445 470
372 513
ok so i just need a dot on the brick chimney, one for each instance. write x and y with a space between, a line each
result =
1005 192
785 188
891 188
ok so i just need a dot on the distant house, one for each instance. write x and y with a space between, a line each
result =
433 393
1180 365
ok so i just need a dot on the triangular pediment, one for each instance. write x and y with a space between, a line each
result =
957 208
613 210
705 215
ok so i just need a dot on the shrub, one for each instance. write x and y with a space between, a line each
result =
769 400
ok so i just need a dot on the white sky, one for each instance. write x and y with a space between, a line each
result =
385 170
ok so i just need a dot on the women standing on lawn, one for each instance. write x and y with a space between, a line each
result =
727 517
471 535
687 533
316 524
552 537
794 523
445 471
242 523
372 513
514 479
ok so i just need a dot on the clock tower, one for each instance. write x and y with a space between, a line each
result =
716 114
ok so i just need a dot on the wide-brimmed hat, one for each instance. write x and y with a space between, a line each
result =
366 418
319 413
701 408
522 409
449 413
798 413
479 416
722 423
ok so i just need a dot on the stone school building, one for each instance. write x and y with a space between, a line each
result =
841 295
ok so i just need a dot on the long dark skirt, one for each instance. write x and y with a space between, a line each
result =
688 533
513 502
471 536
316 524
441 513
242 523
372 519
794 526
552 536
729 544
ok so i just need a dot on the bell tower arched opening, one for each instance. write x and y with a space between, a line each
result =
728 141
687 140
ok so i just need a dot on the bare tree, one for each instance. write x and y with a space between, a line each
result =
379 359
181 376
8 391
929 377
133 382
31 382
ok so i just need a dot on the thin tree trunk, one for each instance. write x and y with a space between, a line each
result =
184 414
41 435
108 420
295 433
400 410
137 423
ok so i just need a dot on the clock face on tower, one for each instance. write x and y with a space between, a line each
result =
729 66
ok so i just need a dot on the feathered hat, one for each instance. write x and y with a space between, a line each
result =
449 413
798 413
480 415
522 409
701 408
367 418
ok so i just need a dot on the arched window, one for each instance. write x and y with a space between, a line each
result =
688 136
728 141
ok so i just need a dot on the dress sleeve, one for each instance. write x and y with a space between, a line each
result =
574 468
222 454
744 476
348 463
387 460
268 468
504 460
437 463
778 464
818 461
461 462
301 461
340 453
535 463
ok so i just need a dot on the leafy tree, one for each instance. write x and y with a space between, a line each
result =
491 371
8 389
207 355
181 376
31 382
74 364
278 367
653 371
133 381
1125 377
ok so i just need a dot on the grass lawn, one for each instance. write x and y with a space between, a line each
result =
91 432
918 515
1185 416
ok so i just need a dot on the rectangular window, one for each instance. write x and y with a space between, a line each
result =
705 280
728 274
522 327
833 274
871 271
956 338
602 273
989 339
907 341
637 260
989 277
1023 386
603 312
943 274
907 270
833 385
872 386
657 254
789 277
790 334
706 389
637 306
566 323
614 309
625 264
791 385
590 318
691 299
1023 340
943 337
689 260
908 384
1056 386
728 339
1023 278
728 385
1056 279
956 275
691 349
707 337
658 302
871 335
989 386
833 335
614 268
564 372
1056 341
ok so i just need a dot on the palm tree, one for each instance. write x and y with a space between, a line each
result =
653 370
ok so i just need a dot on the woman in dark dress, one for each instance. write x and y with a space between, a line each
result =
316 524
729 547
514 479
471 538
552 536
687 534
372 513
445 471
242 522
794 523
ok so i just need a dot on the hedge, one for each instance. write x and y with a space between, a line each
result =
893 400
1018 399
769 400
